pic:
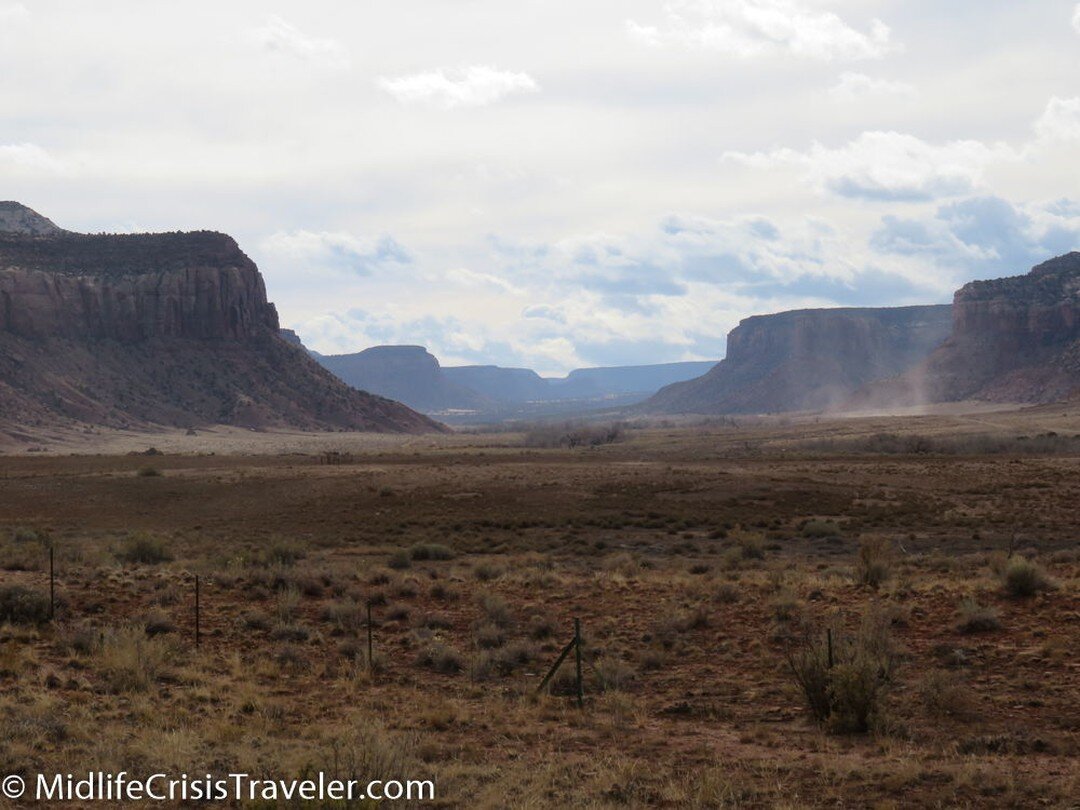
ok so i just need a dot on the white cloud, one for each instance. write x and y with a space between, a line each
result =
888 165
471 278
13 12
859 86
475 86
281 37
1060 120
1076 18
28 157
310 252
759 27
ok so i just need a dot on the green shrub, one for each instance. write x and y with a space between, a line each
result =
148 472
400 560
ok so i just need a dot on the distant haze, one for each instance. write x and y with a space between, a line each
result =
557 185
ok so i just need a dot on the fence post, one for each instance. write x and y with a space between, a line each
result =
370 658
52 586
828 634
577 656
198 629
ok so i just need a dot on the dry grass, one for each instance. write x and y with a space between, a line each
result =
696 559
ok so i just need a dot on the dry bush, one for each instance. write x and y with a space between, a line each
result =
131 662
874 562
488 572
819 529
727 593
400 560
571 434
848 695
495 610
513 655
144 549
347 616
158 622
440 657
944 694
976 618
611 675
431 551
1024 578
489 637
148 472
20 605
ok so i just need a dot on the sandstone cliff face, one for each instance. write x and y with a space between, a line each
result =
807 359
1013 340
131 288
151 329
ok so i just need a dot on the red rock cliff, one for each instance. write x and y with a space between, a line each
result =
131 287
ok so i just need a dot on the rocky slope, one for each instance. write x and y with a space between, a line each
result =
17 218
1013 340
807 360
156 329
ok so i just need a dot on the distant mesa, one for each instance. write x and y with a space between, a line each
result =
807 360
136 330
414 376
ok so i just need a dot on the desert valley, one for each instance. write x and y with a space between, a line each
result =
837 568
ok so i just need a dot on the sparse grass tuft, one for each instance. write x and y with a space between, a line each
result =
976 618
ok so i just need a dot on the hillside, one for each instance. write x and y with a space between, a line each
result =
136 330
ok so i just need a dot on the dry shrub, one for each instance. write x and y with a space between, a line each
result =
431 551
570 434
441 658
1023 578
611 675
19 605
144 549
944 694
848 695
976 618
873 565
131 662
820 529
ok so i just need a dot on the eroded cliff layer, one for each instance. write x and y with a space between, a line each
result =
167 329
807 359
1013 340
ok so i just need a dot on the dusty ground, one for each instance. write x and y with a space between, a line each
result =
696 557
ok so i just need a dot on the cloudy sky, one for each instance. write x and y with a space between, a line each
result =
558 184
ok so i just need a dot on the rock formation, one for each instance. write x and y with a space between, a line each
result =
145 329
1013 340
409 374
17 218
414 376
807 359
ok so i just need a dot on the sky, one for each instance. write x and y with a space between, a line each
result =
555 184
